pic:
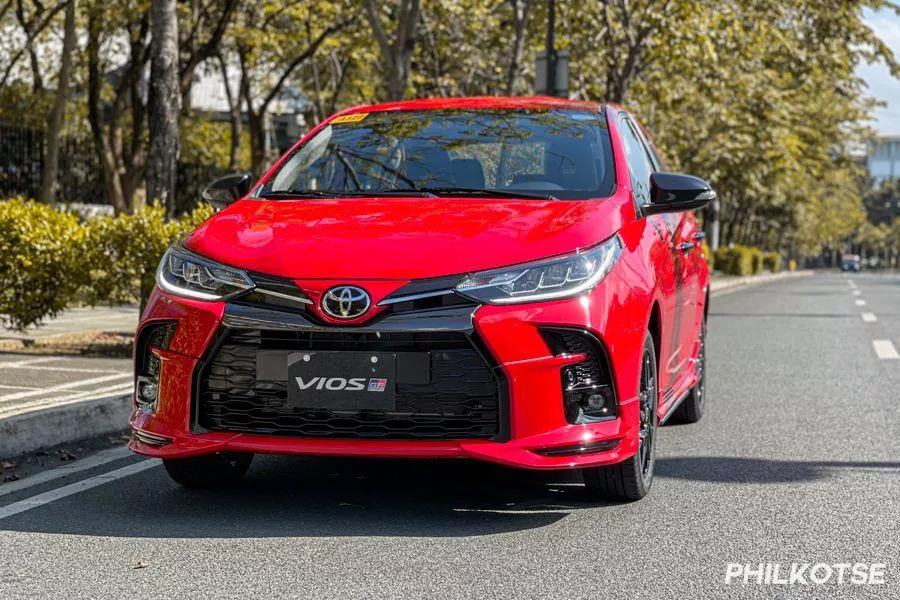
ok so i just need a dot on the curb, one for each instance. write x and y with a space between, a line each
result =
29 431
721 285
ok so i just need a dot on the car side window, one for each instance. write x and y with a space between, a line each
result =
639 165
671 219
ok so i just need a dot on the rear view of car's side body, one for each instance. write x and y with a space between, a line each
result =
509 280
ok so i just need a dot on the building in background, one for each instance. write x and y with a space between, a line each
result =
883 160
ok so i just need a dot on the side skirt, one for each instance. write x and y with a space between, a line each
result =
673 406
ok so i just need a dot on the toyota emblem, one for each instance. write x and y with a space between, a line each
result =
346 302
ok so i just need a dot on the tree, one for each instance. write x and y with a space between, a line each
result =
56 119
273 40
201 39
34 18
117 116
235 117
396 48
520 11
165 95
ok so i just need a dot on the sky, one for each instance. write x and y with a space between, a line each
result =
881 85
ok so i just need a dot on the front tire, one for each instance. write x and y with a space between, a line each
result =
630 479
209 470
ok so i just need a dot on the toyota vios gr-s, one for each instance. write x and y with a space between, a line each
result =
510 280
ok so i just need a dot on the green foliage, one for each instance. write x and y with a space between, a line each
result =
123 251
49 258
207 143
772 262
708 255
739 260
40 262
756 260
760 97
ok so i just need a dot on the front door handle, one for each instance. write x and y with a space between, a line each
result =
686 247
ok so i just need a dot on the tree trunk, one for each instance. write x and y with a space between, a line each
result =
396 53
520 21
259 148
234 114
31 28
165 96
57 117
105 156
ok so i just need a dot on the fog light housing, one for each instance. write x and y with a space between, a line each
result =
147 390
584 400
587 386
154 335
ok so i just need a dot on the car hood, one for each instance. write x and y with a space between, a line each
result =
398 238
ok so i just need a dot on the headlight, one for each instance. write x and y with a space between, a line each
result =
184 273
550 279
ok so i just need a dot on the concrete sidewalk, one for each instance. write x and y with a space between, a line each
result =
722 283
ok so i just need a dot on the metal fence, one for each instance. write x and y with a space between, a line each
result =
80 179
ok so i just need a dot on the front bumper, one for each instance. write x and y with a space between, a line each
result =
535 433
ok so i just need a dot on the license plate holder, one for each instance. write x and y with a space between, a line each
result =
342 381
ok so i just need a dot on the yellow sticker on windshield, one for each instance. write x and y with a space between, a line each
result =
354 118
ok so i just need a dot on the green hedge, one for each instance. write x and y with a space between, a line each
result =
745 260
772 262
708 255
50 258
40 261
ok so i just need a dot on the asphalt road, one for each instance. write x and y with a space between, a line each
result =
797 460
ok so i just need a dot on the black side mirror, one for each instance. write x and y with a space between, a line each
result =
225 190
676 192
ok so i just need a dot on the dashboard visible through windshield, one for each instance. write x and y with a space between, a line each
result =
533 153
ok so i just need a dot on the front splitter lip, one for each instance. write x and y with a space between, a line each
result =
522 453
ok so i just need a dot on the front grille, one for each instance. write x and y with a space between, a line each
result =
461 401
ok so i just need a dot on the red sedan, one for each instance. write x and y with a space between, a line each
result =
515 280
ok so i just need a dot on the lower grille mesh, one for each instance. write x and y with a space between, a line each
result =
460 402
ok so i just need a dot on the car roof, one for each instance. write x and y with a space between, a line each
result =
479 102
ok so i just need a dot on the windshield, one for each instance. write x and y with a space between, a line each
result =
536 153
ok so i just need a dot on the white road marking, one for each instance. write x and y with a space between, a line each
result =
868 317
18 387
74 488
885 349
30 361
117 390
64 386
100 458
860 302
856 292
69 369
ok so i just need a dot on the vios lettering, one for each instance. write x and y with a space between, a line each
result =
334 384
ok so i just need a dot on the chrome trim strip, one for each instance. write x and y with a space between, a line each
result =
285 296
238 316
151 439
411 297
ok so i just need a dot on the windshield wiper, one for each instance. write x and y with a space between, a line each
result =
427 192
463 191
417 192
298 194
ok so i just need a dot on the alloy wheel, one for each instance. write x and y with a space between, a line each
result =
647 397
